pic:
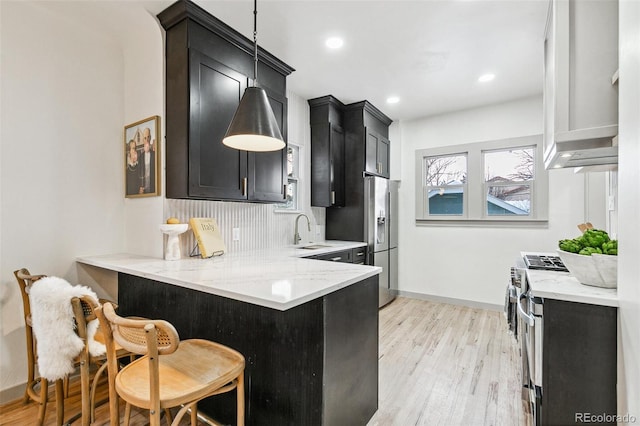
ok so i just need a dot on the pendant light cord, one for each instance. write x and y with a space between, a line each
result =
255 43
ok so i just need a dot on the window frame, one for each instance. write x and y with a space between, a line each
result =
295 178
475 211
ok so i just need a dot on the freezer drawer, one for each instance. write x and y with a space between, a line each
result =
381 259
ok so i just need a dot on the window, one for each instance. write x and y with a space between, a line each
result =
446 182
493 181
293 174
508 176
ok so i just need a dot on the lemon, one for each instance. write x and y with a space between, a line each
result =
173 221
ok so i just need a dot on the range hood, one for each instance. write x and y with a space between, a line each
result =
595 146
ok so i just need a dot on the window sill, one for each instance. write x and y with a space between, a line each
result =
485 223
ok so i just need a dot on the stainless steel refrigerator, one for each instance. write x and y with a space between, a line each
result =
381 232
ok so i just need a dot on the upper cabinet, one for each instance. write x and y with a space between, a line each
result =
580 100
367 127
327 152
347 142
376 154
208 67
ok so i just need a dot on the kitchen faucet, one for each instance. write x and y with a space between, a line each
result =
296 235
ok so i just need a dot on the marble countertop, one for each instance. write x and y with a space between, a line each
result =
563 286
276 278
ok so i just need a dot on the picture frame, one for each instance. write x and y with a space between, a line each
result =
142 158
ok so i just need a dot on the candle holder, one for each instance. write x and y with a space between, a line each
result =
172 249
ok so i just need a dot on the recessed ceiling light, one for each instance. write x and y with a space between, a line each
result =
486 77
393 100
334 42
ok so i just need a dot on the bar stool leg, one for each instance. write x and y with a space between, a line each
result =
240 401
59 401
44 388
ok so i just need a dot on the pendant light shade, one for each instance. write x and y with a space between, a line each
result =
254 127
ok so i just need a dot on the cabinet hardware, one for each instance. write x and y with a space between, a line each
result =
333 197
335 259
285 191
244 187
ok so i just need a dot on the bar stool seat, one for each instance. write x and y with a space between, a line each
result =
172 373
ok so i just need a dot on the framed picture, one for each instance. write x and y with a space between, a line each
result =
142 158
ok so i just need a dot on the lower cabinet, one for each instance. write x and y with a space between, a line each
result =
579 368
336 256
357 255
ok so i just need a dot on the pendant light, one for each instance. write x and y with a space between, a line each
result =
254 127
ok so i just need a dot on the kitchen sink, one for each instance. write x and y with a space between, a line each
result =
314 246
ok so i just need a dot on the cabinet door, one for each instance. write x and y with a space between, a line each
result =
267 171
337 166
327 165
383 156
376 154
215 170
371 152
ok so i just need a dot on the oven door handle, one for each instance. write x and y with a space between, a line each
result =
528 318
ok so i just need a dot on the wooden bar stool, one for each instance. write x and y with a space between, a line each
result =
173 373
25 280
83 310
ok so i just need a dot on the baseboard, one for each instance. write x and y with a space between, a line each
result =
11 394
451 301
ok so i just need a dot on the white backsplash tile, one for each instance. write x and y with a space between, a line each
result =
259 227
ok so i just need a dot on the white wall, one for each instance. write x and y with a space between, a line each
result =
472 263
629 207
61 141
143 89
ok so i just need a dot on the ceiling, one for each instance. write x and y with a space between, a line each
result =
428 53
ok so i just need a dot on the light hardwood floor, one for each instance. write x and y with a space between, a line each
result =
447 365
440 364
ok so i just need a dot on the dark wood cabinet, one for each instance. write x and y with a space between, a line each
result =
579 362
376 154
208 65
357 255
327 152
344 256
368 129
366 132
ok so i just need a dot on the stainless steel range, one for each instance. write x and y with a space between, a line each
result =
546 261
525 320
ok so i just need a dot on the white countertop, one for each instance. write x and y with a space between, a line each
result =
275 278
563 286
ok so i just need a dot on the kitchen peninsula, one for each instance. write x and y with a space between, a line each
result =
308 328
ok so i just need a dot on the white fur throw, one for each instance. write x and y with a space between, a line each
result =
54 326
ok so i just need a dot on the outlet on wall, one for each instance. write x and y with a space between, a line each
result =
236 234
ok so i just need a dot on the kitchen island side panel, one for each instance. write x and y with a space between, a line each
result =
284 350
351 327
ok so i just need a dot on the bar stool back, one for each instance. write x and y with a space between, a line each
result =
173 373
